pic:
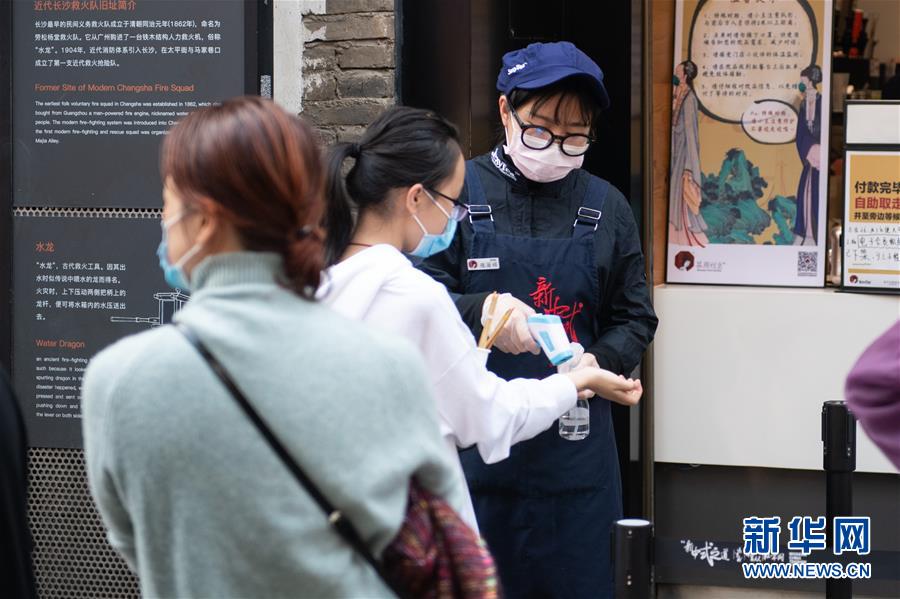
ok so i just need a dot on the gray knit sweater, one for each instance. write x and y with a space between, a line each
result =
193 497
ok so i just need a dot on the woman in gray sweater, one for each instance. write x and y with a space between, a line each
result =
193 497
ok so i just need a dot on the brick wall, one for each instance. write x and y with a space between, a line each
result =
347 65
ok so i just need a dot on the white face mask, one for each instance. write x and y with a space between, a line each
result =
542 166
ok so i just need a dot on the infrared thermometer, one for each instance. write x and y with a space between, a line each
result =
548 331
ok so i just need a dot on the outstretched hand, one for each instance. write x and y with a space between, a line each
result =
608 385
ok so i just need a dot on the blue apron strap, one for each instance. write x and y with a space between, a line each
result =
480 212
588 217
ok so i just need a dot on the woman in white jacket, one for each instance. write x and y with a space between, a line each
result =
407 173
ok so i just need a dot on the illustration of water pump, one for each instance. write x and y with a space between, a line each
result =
169 302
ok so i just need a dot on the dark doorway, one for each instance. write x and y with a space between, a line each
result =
449 55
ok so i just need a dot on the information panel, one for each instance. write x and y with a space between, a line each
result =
871 233
81 283
872 220
97 83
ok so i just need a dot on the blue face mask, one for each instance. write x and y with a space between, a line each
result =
434 244
174 273
802 87
676 81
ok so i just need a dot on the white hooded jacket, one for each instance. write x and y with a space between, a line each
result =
380 286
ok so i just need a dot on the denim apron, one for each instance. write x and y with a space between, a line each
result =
547 511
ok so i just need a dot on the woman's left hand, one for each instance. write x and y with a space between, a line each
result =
608 385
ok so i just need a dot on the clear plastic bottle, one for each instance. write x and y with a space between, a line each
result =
575 424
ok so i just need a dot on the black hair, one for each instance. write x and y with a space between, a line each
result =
813 72
402 147
578 87
690 70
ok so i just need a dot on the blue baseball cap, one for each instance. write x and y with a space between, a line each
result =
538 65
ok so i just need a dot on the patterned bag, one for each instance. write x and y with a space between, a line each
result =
435 555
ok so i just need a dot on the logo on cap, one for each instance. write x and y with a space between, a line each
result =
516 68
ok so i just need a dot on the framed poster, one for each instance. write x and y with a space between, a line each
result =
871 231
749 145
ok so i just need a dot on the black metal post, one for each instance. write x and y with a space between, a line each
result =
839 457
633 558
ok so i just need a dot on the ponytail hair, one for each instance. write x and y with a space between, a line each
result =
262 169
402 147
339 208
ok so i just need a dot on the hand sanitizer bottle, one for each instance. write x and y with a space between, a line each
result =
575 424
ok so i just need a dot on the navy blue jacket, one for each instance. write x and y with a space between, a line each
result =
626 322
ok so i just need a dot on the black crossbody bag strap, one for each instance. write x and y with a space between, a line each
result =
335 517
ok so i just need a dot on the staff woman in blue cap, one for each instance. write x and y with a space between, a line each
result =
556 240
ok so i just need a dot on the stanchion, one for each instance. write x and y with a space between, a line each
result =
633 557
839 441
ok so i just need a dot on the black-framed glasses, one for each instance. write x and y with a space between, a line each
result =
541 138
459 211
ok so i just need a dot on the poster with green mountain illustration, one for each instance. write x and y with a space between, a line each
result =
748 165
738 209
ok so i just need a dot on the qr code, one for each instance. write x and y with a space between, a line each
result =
807 263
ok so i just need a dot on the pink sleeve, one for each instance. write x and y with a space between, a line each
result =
873 392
